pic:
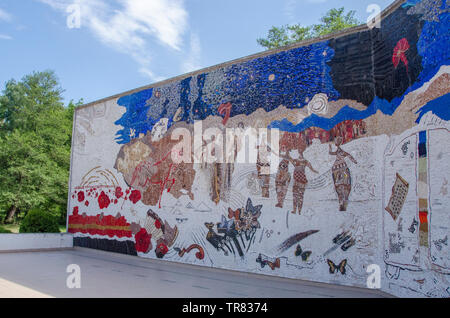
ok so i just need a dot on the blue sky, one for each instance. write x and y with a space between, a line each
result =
125 44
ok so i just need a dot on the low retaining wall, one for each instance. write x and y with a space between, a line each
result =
31 242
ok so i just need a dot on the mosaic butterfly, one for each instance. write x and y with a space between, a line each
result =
304 254
335 268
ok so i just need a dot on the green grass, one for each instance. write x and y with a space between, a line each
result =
3 230
14 228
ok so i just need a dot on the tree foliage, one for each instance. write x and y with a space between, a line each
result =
334 20
38 221
35 140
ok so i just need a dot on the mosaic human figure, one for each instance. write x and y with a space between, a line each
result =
282 181
262 167
265 178
300 180
341 174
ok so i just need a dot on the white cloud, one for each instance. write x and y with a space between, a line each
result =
192 62
291 6
129 25
165 18
5 16
5 37
148 72
289 9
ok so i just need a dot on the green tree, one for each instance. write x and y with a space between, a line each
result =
285 35
35 140
334 20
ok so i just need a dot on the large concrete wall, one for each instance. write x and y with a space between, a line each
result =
364 117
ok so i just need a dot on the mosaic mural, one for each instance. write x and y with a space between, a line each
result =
361 174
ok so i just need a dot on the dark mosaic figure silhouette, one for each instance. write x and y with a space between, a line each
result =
341 174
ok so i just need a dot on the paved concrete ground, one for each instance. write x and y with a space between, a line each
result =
43 274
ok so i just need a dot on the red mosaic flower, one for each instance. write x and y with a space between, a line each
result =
80 196
103 200
119 192
135 196
157 224
399 53
143 241
161 250
75 211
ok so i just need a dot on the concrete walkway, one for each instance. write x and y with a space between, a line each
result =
43 274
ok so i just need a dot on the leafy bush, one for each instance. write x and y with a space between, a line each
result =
4 231
38 221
